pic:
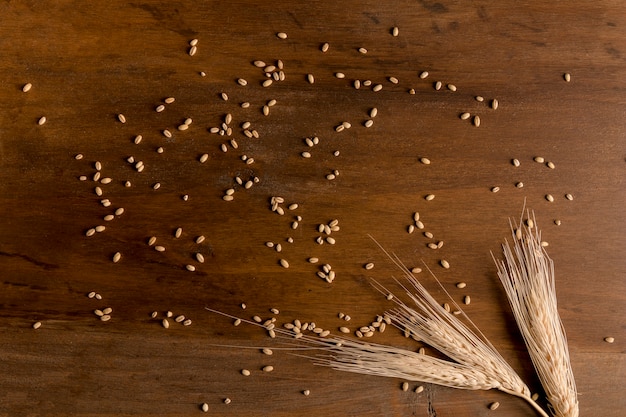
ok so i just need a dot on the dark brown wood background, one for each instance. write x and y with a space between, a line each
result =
89 61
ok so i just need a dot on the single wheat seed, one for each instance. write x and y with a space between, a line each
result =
494 405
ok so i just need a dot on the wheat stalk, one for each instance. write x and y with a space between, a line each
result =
475 363
527 274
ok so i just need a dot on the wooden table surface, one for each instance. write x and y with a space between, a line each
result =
90 61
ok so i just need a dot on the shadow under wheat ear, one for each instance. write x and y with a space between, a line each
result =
527 274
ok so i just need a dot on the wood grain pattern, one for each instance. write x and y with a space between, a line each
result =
90 62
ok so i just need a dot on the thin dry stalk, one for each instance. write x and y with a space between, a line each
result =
527 274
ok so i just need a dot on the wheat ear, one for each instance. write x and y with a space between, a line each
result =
388 361
527 274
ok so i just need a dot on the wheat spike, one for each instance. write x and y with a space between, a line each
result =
433 325
388 361
527 274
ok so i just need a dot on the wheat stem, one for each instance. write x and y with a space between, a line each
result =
528 399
